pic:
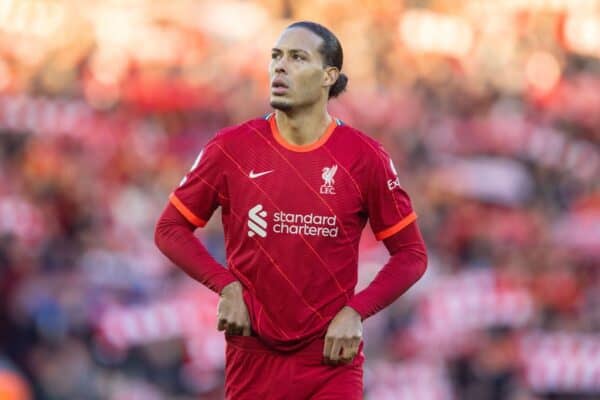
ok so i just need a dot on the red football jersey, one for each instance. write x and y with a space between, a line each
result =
292 218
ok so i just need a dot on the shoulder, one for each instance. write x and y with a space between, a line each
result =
235 133
365 146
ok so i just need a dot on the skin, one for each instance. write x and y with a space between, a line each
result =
232 314
302 117
301 111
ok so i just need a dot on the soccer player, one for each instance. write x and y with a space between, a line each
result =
296 188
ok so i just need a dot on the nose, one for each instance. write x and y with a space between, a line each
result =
279 65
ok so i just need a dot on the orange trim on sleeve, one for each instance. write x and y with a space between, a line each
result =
189 215
300 148
386 233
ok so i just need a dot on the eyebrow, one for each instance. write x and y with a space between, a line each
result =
275 49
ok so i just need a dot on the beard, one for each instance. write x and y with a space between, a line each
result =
281 105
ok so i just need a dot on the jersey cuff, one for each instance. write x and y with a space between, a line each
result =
186 212
386 233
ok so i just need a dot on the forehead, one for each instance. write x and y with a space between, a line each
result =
299 39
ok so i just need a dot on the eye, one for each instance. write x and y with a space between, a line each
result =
274 56
298 57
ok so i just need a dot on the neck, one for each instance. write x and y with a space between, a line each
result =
302 127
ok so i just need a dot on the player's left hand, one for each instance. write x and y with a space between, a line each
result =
343 337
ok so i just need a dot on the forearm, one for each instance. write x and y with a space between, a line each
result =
174 236
406 265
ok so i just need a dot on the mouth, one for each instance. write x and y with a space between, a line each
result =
278 87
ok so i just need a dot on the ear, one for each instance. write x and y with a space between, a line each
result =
331 76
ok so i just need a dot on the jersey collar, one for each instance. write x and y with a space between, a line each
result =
300 148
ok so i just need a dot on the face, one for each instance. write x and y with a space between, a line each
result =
298 77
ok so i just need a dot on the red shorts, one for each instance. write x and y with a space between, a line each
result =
254 371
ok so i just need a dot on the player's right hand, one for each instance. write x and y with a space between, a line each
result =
232 313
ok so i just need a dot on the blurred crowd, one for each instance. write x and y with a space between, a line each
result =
491 114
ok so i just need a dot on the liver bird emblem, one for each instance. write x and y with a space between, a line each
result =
327 175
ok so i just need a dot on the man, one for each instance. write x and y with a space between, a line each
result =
296 189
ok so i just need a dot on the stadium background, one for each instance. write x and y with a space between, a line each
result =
490 110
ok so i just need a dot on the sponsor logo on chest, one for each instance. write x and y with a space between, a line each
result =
284 223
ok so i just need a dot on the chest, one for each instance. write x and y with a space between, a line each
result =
317 186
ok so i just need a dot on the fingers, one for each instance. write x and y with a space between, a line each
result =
235 329
233 317
327 349
349 351
336 348
222 324
333 347
247 331
340 351
232 329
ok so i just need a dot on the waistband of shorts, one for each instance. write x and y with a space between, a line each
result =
255 344
314 349
247 343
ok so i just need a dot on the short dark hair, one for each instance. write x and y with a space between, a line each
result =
331 50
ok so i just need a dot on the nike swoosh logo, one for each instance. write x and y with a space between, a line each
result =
253 175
